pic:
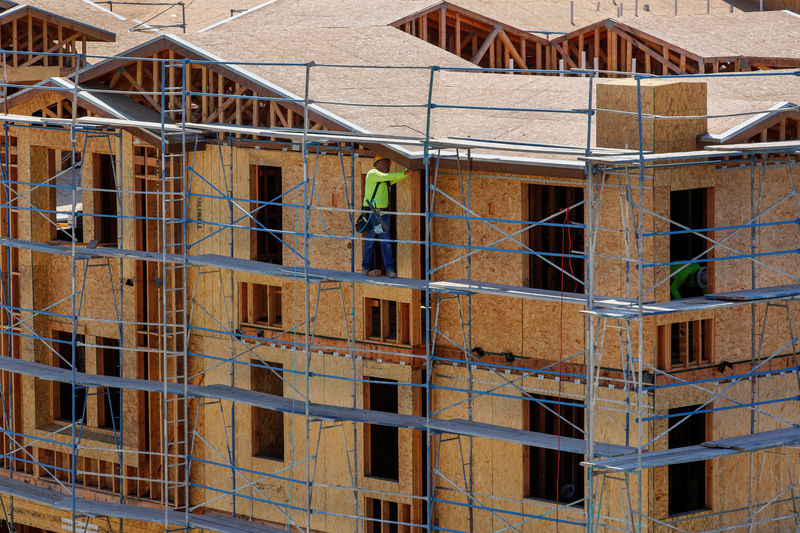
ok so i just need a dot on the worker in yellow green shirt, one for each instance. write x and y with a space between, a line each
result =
688 280
376 193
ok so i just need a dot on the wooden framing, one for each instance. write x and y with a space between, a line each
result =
393 325
612 45
615 46
143 75
487 43
37 33
685 344
780 125
145 161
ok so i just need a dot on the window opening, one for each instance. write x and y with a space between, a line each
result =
386 320
687 481
688 209
553 241
109 404
268 425
380 512
63 198
260 304
105 199
381 442
685 344
63 400
266 186
551 477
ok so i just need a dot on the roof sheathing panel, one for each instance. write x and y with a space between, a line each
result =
384 91
79 10
566 16
528 15
728 35
197 13
747 94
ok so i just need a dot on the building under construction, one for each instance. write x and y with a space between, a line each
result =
188 342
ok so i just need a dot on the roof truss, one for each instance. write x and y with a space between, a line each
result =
610 45
36 36
213 94
478 39
619 47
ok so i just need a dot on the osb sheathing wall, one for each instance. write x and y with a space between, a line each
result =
47 518
331 442
659 98
618 127
330 190
46 283
336 313
498 468
730 205
526 328
729 479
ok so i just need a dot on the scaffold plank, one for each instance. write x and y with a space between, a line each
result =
770 146
92 508
781 291
528 438
604 306
229 524
315 410
700 452
625 310
485 287
660 157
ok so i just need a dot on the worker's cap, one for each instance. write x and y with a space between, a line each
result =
378 158
702 277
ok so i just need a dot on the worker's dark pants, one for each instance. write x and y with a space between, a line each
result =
386 246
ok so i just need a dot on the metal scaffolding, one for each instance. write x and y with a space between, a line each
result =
613 377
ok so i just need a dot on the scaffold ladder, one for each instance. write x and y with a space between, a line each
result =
173 302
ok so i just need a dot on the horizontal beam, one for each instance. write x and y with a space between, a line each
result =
315 410
93 508
708 450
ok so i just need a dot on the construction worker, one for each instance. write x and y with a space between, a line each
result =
376 194
688 280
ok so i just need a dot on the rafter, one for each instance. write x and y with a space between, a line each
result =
661 58
512 49
485 46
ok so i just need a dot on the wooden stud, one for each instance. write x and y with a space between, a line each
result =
612 50
385 513
458 34
46 60
510 49
443 26
485 46
15 43
30 38
629 54
204 98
